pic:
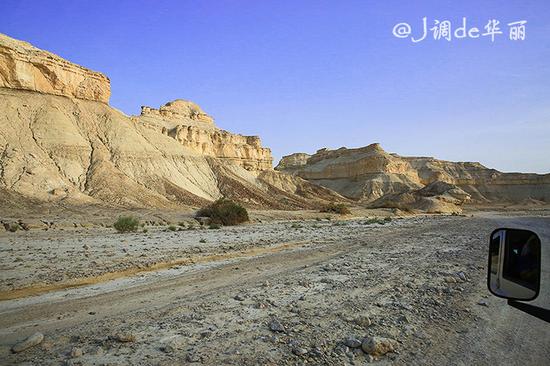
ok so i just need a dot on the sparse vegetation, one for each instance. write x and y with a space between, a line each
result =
13 227
336 208
378 220
125 224
224 212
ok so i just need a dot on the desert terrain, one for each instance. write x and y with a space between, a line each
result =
345 257
276 292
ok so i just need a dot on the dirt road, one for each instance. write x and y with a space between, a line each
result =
419 281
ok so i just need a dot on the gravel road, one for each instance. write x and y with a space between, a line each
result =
308 293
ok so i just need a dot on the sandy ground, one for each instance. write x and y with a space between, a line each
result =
275 293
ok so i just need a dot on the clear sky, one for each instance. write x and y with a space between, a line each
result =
310 74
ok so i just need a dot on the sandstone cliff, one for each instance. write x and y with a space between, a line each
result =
23 66
373 176
60 142
189 125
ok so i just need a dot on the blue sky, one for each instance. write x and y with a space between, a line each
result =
310 74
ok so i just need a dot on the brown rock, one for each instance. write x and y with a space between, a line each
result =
378 346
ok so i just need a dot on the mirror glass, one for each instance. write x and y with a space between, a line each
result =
514 264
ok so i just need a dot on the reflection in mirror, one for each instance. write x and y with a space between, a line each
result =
514 264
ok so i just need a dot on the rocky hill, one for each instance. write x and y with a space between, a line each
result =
60 142
372 176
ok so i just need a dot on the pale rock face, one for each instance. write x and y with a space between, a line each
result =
23 66
185 122
293 161
179 109
371 175
80 151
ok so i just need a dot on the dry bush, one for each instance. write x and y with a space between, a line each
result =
224 212
125 224
337 208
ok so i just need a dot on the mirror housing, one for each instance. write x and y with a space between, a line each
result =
514 264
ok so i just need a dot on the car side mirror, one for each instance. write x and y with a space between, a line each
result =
514 264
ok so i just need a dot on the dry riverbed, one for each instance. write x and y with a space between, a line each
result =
315 292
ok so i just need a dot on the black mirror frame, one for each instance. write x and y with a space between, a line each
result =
489 266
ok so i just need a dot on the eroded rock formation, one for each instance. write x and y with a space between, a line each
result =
23 66
189 125
61 142
373 176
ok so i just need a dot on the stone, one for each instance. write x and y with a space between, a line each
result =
76 352
29 342
124 337
378 346
363 320
299 351
276 326
352 342
23 66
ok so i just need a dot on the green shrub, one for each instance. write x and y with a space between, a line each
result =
145 231
387 219
13 228
202 241
172 228
126 224
337 208
224 212
214 226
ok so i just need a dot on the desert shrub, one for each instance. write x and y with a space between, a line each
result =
387 219
172 228
13 227
225 212
214 226
337 208
202 241
296 226
125 224
145 231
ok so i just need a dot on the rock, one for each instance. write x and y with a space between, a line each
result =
450 280
363 320
462 276
483 303
98 351
239 298
276 326
299 351
26 67
124 337
352 342
76 352
411 183
192 357
177 147
31 341
378 346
